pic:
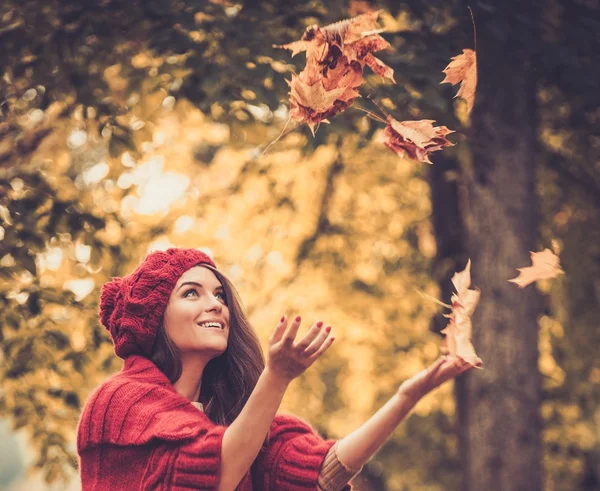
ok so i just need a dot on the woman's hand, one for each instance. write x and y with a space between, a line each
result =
445 368
289 358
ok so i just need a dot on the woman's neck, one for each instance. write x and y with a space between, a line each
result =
190 382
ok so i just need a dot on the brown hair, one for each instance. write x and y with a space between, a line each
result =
229 379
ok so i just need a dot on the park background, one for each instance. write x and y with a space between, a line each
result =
127 127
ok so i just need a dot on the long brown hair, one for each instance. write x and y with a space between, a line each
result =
229 379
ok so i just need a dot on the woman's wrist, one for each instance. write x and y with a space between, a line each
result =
275 380
411 392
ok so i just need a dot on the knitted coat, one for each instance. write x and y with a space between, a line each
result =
136 433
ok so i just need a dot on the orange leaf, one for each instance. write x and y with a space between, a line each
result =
458 330
313 104
314 96
416 139
545 265
463 69
379 67
335 58
458 343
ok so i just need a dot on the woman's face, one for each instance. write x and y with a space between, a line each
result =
198 298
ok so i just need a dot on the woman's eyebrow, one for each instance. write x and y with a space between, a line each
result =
220 287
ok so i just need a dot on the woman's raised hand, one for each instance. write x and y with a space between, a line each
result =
444 368
288 358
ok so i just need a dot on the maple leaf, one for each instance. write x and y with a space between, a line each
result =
458 344
545 265
315 96
313 103
335 58
459 328
379 67
415 139
463 69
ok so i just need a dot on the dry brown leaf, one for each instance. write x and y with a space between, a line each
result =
335 58
314 96
459 328
545 265
415 139
463 69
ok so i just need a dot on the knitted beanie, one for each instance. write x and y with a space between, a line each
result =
131 307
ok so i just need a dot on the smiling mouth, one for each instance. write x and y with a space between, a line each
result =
212 325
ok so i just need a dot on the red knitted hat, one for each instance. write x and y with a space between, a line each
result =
131 307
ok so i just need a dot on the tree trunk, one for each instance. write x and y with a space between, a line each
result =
498 407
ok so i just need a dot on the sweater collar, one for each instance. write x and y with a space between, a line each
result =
142 369
137 405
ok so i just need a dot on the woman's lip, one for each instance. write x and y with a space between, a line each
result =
213 328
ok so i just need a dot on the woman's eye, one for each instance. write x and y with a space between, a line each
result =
186 293
221 294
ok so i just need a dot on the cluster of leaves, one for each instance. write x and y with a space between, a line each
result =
335 59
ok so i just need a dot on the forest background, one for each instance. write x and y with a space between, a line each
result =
127 126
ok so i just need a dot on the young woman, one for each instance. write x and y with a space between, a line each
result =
194 405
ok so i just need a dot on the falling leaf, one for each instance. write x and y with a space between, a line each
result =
545 265
463 69
458 343
415 139
335 58
458 331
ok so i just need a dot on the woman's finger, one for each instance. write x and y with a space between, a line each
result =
279 330
321 349
309 337
290 334
313 347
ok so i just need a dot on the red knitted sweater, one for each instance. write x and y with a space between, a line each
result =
137 432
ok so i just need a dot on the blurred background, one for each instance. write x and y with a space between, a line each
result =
127 127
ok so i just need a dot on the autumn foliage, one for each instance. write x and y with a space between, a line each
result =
463 70
458 332
415 139
544 265
336 56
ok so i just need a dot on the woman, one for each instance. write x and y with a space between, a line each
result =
194 405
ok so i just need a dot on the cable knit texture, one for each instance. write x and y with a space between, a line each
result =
131 307
136 432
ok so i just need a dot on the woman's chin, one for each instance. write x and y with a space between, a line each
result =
215 348
212 349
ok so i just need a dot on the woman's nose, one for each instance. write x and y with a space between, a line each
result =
214 304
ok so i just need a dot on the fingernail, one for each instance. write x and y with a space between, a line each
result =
319 324
298 318
328 328
282 318
332 340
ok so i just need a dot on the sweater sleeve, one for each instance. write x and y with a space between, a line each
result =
292 458
158 464
192 465
334 474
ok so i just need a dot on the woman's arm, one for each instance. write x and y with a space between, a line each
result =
244 438
359 446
